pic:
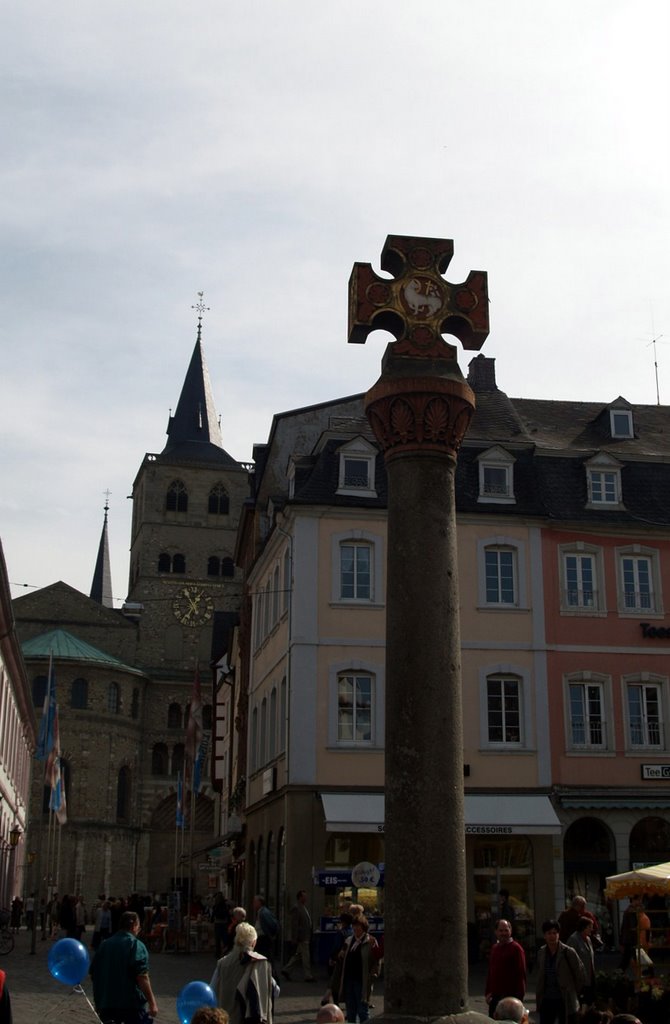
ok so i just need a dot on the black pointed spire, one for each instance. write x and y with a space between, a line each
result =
195 419
101 587
194 432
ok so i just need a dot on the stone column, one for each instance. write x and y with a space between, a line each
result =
419 410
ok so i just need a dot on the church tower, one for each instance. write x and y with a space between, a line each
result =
186 507
101 587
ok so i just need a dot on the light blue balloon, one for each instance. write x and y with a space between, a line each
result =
192 997
68 961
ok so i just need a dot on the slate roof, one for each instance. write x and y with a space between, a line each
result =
193 432
61 644
550 441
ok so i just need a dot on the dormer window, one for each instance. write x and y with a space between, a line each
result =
356 472
621 422
496 476
603 480
357 469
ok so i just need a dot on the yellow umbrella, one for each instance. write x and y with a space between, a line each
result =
650 881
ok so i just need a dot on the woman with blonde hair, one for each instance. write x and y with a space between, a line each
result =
242 981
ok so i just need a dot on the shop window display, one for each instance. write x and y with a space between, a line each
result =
503 878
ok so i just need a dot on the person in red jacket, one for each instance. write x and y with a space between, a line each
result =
507 968
5 1004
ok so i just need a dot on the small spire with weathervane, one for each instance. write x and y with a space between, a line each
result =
200 309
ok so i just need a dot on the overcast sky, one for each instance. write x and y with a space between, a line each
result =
255 151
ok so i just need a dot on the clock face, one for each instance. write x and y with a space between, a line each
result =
192 606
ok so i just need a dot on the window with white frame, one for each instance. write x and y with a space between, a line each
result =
581 578
357 567
272 725
638 580
496 476
283 696
263 737
356 705
357 468
287 577
501 572
505 717
645 700
500 569
603 480
355 571
253 751
621 422
587 705
354 708
503 709
275 596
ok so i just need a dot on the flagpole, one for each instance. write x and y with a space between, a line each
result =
193 738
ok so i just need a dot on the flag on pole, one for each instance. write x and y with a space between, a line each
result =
180 801
57 801
199 761
194 724
45 737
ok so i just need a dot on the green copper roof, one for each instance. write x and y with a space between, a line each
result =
62 644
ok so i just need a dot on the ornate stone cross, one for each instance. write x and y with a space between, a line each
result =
417 306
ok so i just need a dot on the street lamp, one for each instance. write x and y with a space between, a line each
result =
14 836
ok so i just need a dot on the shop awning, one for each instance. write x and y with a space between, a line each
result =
501 814
495 814
353 812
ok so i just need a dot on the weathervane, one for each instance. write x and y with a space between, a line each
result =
200 309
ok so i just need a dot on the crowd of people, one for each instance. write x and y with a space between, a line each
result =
565 984
245 979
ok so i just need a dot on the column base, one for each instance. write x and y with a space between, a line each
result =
466 1017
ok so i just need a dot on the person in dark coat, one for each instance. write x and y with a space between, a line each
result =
301 937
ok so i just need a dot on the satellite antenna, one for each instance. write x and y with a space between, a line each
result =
653 342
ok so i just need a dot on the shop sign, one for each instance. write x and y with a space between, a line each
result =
494 830
650 632
655 771
342 879
365 875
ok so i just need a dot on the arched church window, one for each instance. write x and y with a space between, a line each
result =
213 565
79 694
39 690
178 563
159 759
227 567
174 716
164 562
177 497
113 698
219 503
123 794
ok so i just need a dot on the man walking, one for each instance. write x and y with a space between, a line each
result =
267 928
120 971
507 968
301 937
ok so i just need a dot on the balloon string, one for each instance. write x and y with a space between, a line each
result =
78 989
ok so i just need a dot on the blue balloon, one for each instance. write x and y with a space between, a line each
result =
68 961
192 997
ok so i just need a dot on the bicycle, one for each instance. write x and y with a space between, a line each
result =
6 937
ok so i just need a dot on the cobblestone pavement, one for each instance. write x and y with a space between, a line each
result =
37 998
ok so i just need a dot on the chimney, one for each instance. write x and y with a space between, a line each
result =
482 374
